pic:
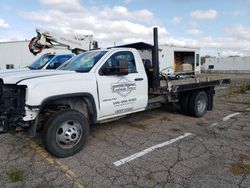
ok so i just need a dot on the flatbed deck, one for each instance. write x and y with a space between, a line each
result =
189 83
195 83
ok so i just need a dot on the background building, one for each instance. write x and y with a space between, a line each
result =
16 54
227 64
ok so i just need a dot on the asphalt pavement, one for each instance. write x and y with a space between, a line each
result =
157 148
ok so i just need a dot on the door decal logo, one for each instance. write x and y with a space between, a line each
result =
123 87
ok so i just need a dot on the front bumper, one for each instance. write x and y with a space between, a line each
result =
12 106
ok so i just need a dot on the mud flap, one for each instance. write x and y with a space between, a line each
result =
210 96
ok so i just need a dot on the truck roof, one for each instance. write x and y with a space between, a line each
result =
137 45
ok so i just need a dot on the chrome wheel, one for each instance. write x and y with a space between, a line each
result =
201 104
69 134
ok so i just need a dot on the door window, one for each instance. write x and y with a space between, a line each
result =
113 62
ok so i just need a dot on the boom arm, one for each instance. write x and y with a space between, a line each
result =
47 39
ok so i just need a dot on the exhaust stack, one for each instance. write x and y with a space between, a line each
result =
155 58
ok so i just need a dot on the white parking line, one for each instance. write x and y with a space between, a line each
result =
149 150
214 124
230 116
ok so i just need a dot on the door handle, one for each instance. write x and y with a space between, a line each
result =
138 79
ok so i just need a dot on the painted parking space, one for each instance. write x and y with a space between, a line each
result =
149 150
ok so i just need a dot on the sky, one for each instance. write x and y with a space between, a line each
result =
218 27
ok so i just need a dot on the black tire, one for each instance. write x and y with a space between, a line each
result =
65 125
184 103
198 103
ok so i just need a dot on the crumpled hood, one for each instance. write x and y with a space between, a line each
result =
13 77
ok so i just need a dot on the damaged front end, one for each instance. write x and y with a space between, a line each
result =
12 106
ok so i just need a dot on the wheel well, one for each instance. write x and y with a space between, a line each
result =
78 103
84 103
209 91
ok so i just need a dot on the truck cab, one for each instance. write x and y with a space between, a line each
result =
90 88
49 61
94 87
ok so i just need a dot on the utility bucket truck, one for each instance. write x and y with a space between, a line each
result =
55 43
47 40
94 87
50 40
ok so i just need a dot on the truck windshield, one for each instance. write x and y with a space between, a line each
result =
41 62
83 62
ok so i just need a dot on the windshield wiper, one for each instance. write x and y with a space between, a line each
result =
81 70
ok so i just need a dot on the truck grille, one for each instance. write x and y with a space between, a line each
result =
12 105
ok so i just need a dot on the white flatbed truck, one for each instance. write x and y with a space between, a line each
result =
94 87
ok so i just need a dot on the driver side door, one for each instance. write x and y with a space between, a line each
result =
120 93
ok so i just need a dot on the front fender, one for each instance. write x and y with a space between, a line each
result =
33 111
40 90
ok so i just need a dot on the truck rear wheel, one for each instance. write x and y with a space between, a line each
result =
184 103
65 133
198 103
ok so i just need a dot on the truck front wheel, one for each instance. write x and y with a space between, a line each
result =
198 103
65 133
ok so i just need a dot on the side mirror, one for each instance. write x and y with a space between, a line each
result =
121 69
